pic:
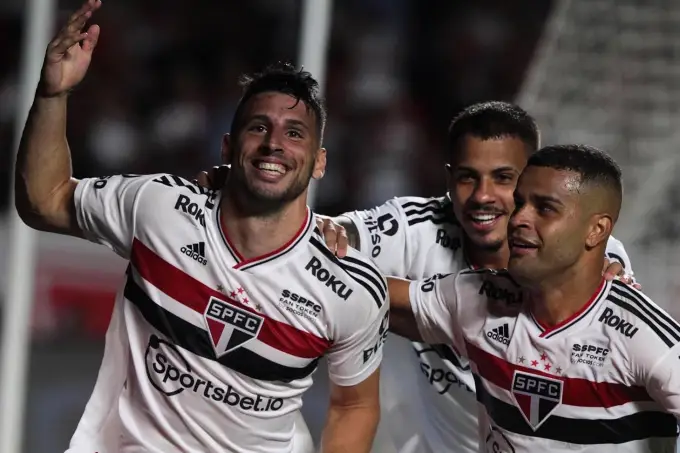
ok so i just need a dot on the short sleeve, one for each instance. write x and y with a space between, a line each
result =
358 352
617 252
663 381
106 209
383 233
434 302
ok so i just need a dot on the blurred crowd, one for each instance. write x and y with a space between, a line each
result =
163 84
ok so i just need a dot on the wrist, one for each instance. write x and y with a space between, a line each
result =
43 93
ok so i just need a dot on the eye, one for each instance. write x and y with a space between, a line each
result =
546 209
505 178
465 178
294 133
257 128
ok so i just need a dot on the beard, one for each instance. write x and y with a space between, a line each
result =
260 201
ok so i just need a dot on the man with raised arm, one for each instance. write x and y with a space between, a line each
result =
230 297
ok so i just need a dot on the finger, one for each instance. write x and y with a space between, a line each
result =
202 179
637 286
60 47
91 39
342 243
330 235
613 270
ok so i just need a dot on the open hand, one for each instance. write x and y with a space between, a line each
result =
69 54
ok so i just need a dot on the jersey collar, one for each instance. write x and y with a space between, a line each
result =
587 309
242 263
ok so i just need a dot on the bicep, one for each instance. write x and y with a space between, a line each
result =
365 393
60 216
663 383
434 306
402 319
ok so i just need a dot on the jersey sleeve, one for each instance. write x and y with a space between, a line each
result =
617 252
434 302
106 210
384 236
663 381
357 351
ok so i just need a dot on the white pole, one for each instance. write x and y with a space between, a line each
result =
316 26
39 15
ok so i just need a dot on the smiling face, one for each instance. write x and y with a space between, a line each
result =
275 151
549 231
481 181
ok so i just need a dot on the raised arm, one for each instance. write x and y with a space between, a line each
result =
44 184
402 319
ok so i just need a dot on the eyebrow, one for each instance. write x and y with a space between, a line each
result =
495 170
289 122
547 199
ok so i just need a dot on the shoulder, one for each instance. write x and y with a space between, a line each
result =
633 316
428 211
352 277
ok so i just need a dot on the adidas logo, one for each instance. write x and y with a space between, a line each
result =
196 252
500 334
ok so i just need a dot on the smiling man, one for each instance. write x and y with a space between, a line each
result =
231 297
562 359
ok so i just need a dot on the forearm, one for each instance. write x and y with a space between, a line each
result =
43 169
350 429
402 319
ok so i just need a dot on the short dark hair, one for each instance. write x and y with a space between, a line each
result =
593 165
283 77
492 120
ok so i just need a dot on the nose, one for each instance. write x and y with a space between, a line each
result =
520 218
273 140
483 193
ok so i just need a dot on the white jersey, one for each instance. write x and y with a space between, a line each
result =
605 380
415 238
208 351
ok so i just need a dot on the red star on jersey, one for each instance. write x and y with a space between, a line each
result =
232 294
547 367
245 300
534 363
558 370
544 357
240 290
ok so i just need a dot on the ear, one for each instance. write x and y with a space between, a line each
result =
319 164
226 152
600 229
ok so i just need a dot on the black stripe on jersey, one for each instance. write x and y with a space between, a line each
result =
435 202
351 272
618 258
196 340
628 301
637 426
377 278
671 325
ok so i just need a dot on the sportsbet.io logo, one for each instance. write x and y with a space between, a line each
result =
171 374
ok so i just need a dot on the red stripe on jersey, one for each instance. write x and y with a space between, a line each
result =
576 391
195 295
548 329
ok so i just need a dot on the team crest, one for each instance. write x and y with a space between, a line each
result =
229 326
536 396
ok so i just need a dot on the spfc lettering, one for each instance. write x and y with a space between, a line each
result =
536 396
230 326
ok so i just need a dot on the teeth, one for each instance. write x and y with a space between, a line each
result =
268 166
484 218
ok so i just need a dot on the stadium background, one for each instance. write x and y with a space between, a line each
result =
162 89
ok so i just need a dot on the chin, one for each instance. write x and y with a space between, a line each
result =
488 243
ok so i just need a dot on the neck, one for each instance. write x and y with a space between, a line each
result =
486 259
554 300
257 234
